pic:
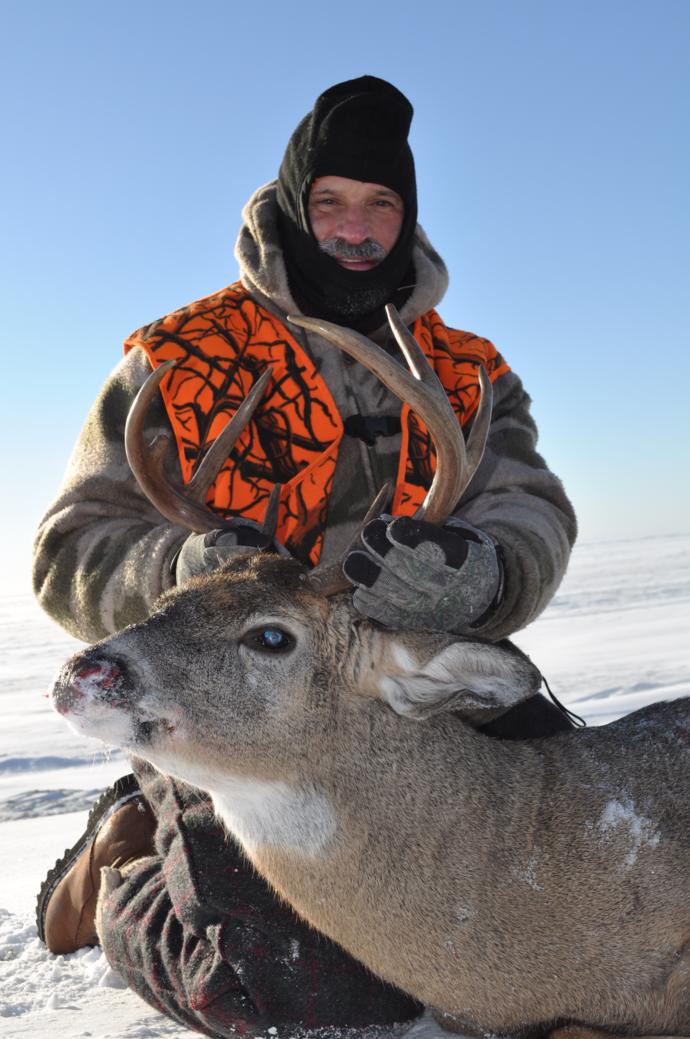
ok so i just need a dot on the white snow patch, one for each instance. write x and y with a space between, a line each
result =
464 913
615 637
425 1027
529 874
620 818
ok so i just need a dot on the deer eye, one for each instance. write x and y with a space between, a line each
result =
268 640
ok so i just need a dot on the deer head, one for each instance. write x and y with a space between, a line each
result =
252 672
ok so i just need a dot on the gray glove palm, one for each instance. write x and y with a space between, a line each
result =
203 553
414 576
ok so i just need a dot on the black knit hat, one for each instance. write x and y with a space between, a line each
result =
357 129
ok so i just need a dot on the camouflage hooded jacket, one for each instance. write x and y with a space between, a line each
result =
103 553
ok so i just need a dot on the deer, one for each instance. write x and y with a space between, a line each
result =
512 887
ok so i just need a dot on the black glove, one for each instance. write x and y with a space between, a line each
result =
203 553
414 576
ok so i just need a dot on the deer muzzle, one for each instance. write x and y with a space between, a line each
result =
83 682
98 697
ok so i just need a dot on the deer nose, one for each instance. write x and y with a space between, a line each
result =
84 681
97 678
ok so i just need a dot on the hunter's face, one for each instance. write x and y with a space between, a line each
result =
355 222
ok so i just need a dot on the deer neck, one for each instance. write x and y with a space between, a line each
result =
383 786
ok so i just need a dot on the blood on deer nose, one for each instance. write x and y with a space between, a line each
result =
97 678
93 680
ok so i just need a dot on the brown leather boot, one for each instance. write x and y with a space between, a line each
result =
120 829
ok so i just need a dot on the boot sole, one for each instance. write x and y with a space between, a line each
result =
122 790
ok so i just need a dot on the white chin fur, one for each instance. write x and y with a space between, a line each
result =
261 814
258 812
102 723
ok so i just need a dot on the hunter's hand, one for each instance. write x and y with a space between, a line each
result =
415 576
203 553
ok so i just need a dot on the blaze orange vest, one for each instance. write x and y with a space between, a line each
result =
223 342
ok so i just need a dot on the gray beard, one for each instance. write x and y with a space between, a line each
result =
338 248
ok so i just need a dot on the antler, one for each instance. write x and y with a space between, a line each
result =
456 462
422 390
185 506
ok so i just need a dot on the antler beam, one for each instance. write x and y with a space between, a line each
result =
420 387
422 390
184 505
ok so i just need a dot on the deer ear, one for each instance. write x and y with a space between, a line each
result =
478 680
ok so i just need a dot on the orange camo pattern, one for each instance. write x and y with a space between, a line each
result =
222 343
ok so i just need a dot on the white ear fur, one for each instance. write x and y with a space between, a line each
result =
477 679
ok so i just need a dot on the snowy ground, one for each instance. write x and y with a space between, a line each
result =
615 638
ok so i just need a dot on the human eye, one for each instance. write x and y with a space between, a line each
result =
389 205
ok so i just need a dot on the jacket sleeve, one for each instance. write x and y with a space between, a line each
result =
102 553
515 498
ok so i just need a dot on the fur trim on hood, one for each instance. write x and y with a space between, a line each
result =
262 269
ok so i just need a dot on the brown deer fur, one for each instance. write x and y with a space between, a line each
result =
503 884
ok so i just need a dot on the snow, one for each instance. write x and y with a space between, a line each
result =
617 816
617 635
615 638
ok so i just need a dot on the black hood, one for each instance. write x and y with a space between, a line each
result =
357 129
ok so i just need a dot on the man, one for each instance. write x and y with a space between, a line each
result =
191 929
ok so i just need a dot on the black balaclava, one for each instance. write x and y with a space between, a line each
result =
357 129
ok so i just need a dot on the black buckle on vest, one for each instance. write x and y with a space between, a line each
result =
369 427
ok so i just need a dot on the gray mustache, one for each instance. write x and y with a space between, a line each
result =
369 249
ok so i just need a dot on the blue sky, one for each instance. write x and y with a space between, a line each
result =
551 142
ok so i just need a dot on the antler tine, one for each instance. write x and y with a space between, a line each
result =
328 578
148 462
270 523
426 397
476 442
416 359
225 441
412 351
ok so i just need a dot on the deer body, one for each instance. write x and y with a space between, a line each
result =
491 879
503 884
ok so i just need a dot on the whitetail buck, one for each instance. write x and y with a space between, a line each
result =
507 885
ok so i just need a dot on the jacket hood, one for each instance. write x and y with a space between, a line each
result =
263 272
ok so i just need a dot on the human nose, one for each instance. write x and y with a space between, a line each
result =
354 226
